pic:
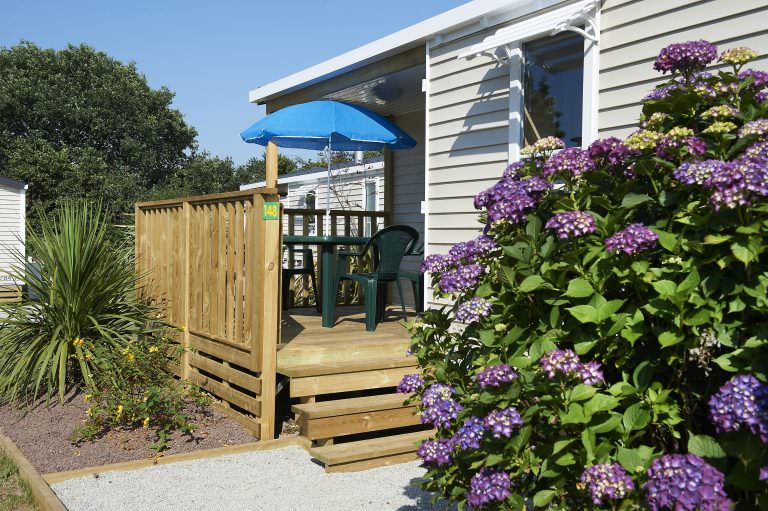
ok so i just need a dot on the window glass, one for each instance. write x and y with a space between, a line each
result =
370 196
552 79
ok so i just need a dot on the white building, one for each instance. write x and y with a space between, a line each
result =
476 83
12 233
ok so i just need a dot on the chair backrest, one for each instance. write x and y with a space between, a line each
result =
389 246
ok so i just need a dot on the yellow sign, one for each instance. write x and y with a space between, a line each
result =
270 211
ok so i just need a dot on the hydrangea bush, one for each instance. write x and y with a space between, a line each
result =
608 343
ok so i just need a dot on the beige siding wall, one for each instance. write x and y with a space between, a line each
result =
11 211
408 186
468 138
633 32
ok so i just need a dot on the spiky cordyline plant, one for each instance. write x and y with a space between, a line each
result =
84 294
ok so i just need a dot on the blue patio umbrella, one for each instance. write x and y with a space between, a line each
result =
331 125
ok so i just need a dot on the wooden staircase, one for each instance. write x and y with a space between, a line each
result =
344 380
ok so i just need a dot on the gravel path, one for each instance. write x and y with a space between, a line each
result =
282 479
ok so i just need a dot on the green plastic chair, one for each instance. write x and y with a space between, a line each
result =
389 246
416 278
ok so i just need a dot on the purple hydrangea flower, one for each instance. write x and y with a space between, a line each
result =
438 263
632 239
572 162
741 402
502 422
488 485
591 373
470 434
729 186
437 392
513 170
571 224
436 452
697 172
560 361
755 174
668 147
608 481
611 149
494 376
472 250
757 150
473 310
759 78
685 482
442 413
535 186
761 96
764 473
410 383
514 209
686 57
461 279
756 128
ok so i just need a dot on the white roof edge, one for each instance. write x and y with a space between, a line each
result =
384 47
319 176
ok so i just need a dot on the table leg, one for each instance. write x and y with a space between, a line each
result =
327 270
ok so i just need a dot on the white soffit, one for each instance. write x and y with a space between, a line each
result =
476 14
555 20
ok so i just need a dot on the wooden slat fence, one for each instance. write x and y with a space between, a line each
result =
213 264
304 222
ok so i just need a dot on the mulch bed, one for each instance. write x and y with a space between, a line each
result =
43 435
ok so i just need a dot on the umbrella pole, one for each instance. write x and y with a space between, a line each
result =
328 192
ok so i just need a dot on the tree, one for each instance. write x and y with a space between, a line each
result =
78 123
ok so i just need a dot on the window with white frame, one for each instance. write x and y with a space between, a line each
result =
553 65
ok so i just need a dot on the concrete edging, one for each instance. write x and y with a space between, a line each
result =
267 445
42 494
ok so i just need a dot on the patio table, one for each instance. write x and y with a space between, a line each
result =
327 245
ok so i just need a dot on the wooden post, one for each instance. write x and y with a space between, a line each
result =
185 287
270 161
267 301
389 183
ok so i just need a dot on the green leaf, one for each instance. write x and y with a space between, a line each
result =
667 339
584 313
631 200
643 374
575 415
665 288
488 337
706 447
600 403
581 392
667 240
533 283
579 288
543 498
716 239
743 253
630 459
635 417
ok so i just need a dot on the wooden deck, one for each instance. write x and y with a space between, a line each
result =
342 386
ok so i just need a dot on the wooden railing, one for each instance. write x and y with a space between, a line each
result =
303 222
213 264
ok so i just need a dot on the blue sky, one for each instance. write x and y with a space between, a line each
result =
212 53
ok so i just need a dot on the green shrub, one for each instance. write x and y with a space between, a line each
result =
85 290
613 345
133 387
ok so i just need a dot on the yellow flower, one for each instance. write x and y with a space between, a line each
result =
184 328
720 127
153 349
719 111
655 120
89 356
738 56
500 327
679 132
146 423
643 139
78 341
87 398
129 356
119 410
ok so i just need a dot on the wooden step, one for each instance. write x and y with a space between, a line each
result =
336 407
331 419
349 381
366 454
296 369
331 349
